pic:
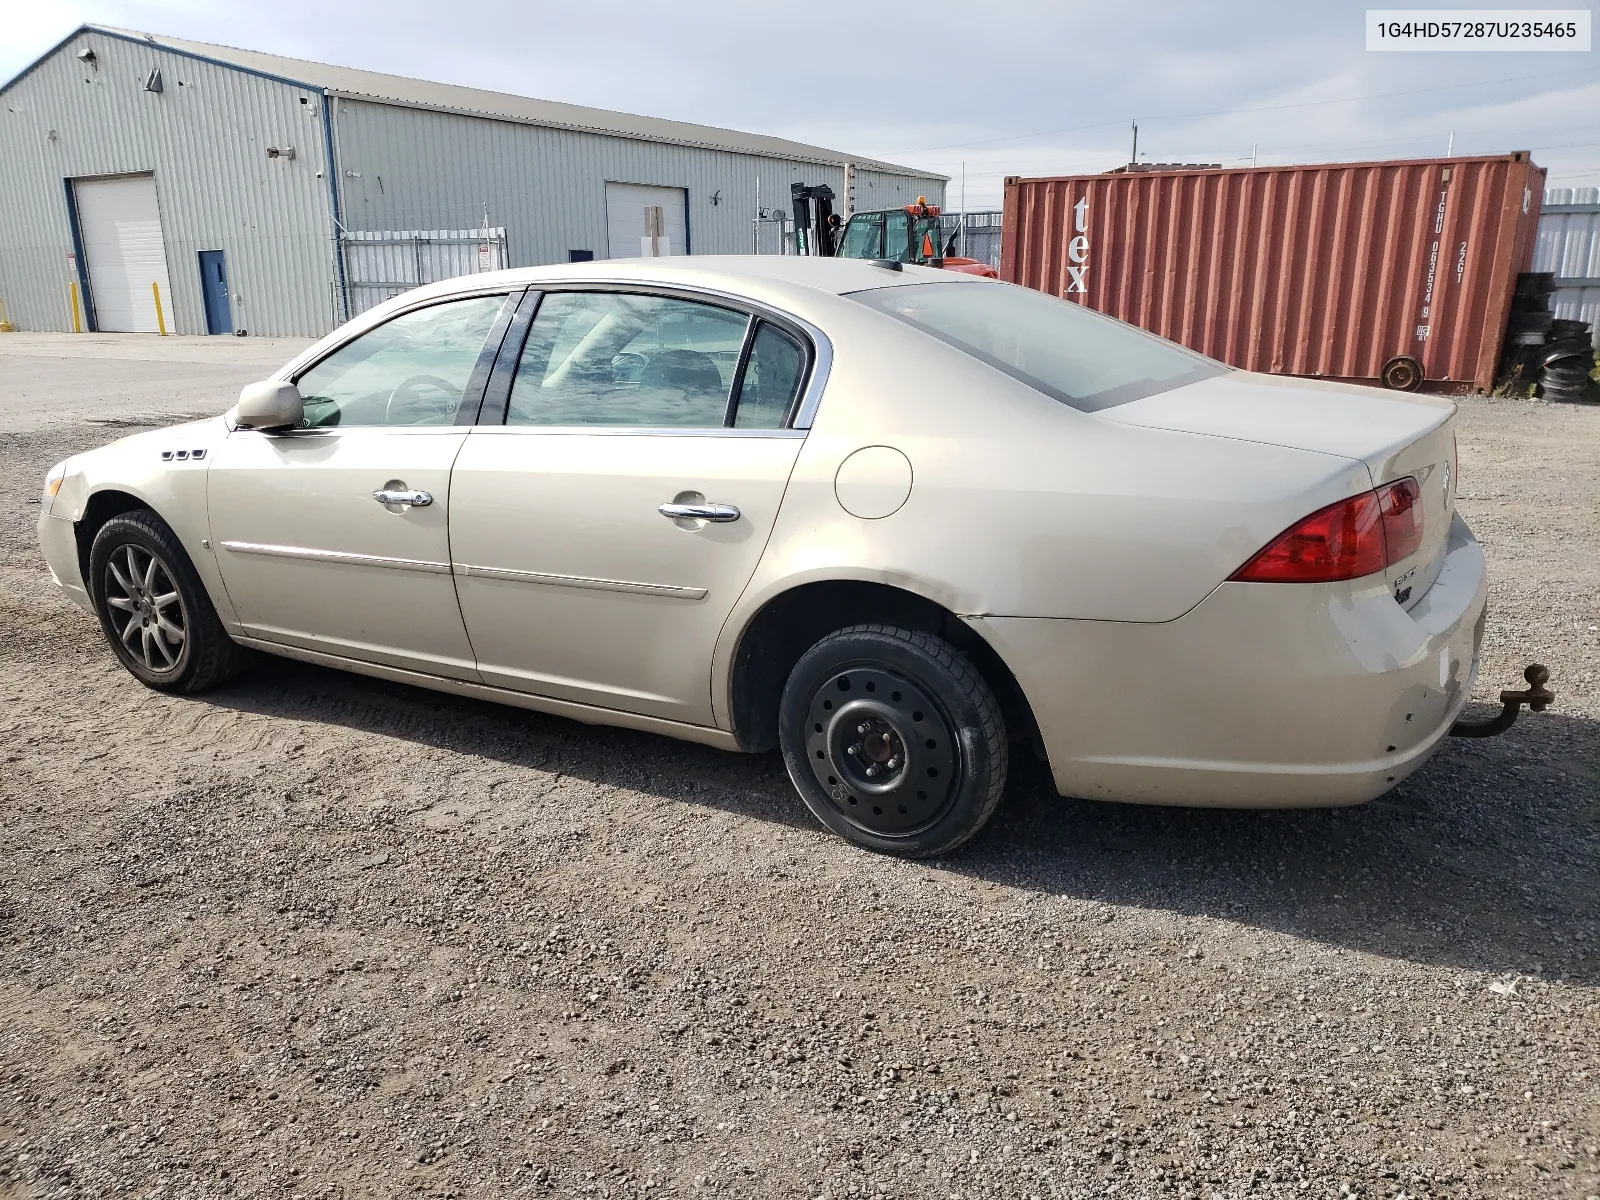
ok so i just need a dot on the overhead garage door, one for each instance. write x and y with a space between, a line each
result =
121 230
646 222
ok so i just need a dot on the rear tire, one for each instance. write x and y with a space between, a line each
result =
893 740
155 611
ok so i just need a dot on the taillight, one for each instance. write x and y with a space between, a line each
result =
1402 517
1358 536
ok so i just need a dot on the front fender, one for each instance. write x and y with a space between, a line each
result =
102 482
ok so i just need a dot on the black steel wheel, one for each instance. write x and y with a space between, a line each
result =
893 739
154 609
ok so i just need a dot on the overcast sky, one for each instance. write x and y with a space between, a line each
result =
1008 87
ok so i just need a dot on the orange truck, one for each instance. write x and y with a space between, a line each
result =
912 234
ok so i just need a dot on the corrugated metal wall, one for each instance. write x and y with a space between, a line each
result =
410 168
1326 270
204 136
1569 245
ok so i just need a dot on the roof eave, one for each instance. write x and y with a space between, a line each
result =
635 135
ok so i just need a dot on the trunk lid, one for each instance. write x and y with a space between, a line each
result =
1394 434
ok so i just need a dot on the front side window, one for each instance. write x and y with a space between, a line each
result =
607 358
413 370
1070 353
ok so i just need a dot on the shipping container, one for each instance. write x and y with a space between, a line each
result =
1350 271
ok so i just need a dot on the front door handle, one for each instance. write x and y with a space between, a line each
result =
392 495
699 512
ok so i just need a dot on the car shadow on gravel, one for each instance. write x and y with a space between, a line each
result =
1488 859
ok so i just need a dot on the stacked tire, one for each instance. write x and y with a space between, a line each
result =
1556 354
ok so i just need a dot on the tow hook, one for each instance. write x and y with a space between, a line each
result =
1536 696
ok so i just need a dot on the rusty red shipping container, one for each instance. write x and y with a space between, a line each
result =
1332 270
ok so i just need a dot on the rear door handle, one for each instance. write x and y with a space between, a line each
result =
399 496
699 512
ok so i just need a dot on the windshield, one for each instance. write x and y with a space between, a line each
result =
863 237
1066 351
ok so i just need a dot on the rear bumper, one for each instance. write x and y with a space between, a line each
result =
59 543
1261 696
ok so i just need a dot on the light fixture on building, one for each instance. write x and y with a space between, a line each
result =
152 81
88 56
286 152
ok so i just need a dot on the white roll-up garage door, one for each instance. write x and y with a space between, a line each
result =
646 222
120 225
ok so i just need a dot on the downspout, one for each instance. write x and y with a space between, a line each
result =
342 312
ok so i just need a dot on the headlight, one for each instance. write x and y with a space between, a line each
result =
52 483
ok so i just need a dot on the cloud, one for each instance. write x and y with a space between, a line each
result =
942 82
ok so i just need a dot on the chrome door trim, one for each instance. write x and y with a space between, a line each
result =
582 581
338 556
817 378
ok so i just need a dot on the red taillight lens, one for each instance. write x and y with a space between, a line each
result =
1355 537
1402 517
1342 541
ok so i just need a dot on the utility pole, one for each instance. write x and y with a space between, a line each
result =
1134 157
1450 149
963 228
1252 154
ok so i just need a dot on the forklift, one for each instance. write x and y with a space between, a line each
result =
912 234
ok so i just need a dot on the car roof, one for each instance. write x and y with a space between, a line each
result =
733 272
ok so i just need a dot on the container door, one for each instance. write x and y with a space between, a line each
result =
214 288
119 224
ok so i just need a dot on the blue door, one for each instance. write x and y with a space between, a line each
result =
214 287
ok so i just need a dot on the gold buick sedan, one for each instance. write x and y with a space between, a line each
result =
892 520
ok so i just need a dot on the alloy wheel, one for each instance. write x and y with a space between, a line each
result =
145 608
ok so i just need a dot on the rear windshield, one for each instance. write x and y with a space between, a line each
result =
1066 351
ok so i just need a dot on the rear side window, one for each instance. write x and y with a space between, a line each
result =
771 379
605 358
1068 352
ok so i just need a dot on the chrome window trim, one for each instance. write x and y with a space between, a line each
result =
302 362
705 431
580 581
810 397
329 431
341 557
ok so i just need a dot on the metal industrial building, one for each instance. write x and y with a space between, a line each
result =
279 196
1569 248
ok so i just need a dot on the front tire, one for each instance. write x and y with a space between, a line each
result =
893 740
154 609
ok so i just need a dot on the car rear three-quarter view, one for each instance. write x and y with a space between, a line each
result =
891 520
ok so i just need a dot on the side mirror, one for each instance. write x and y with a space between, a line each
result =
271 404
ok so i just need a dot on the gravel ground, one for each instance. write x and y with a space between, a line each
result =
316 934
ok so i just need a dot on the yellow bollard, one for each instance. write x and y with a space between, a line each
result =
5 324
161 321
77 317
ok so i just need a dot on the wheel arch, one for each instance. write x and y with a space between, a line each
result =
792 621
98 508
